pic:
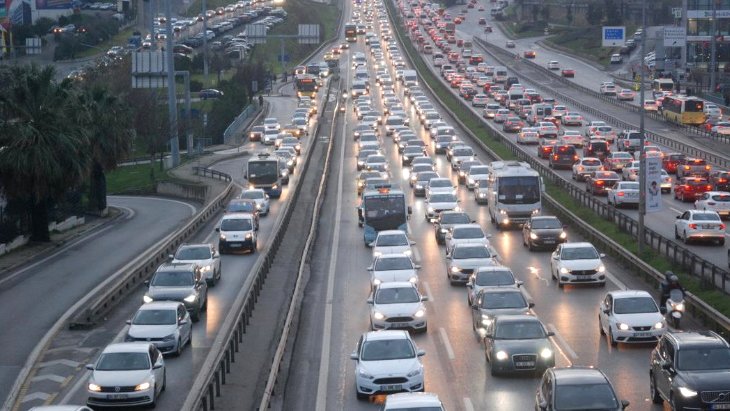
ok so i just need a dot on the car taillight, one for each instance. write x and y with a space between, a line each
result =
707 168
686 167
693 226
722 226
621 194
555 157
709 188
575 158
599 182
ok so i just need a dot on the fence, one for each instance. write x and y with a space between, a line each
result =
230 135
208 172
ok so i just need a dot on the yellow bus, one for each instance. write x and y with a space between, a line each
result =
306 85
684 110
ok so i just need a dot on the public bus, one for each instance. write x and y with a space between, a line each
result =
306 85
662 84
382 208
351 32
684 110
514 192
263 172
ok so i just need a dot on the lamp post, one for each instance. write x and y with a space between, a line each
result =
713 47
642 156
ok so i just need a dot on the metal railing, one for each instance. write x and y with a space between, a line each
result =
209 172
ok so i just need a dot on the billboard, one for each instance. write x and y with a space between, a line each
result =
53 4
613 36
653 184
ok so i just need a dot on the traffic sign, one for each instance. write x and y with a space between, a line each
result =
613 36
675 36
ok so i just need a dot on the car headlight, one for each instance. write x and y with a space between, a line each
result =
471 181
93 387
147 299
455 269
249 236
622 326
501 355
419 186
408 252
443 231
205 268
413 280
190 298
486 320
601 268
420 313
564 270
258 206
430 209
414 372
377 281
679 307
378 315
503 212
563 235
659 325
686 392
275 186
546 353
364 374
482 195
533 236
222 237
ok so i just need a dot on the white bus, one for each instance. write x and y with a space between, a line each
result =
514 192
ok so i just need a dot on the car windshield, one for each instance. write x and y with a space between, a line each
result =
546 223
634 305
389 240
471 252
579 253
474 171
439 183
172 279
442 198
236 224
706 217
522 330
592 161
401 295
385 264
193 253
241 206
376 160
123 361
495 278
704 359
585 397
462 152
721 197
503 300
468 232
426 176
155 317
368 137
456 218
628 186
252 194
381 350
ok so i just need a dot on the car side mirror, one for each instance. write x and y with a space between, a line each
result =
412 242
607 311
370 268
182 322
519 283
663 310
147 283
128 322
624 403
666 365
245 176
424 298
417 266
531 305
678 217
170 257
421 353
602 255
470 285
157 366
353 355
371 245
217 229
550 334
556 257
216 254
369 301
90 367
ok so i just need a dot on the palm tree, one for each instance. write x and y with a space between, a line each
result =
108 123
43 143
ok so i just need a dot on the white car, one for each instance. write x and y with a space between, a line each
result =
398 305
392 268
476 174
460 154
389 355
491 110
553 65
272 123
631 171
204 256
651 105
722 128
717 201
405 401
650 151
577 263
465 233
270 136
440 185
572 119
585 166
546 129
712 111
528 136
136 364
464 259
392 242
593 126
608 88
166 323
631 316
572 137
501 115
624 193
368 141
699 225
488 277
260 197
438 202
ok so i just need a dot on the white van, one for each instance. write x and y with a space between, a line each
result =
237 231
500 74
410 78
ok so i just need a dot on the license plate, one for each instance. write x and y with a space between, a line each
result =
584 276
399 325
391 387
641 335
235 245
549 241
708 226
117 396
720 407
525 364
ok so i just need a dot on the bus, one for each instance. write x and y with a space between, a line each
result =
514 191
351 32
662 84
306 85
263 172
684 110
382 208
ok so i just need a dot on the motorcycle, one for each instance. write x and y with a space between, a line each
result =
674 307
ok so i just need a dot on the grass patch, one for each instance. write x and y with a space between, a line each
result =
585 42
119 39
136 178
713 297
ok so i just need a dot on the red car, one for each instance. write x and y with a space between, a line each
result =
476 59
688 188
671 161
568 72
598 182
529 54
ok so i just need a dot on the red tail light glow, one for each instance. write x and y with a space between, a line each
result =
621 194
693 226
722 226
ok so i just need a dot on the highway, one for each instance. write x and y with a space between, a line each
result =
454 361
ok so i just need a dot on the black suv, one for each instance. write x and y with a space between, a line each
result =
690 370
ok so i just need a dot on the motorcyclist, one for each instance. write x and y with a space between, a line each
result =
671 282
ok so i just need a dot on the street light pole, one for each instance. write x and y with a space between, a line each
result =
171 92
205 43
713 47
642 157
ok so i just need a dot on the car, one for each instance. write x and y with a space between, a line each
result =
480 100
543 232
376 162
513 125
368 141
572 118
546 147
617 58
237 231
701 225
666 183
553 65
607 133
689 370
413 401
495 276
166 323
438 202
410 152
392 242
440 185
547 129
419 181
260 197
180 282
459 154
689 188
482 21
387 361
362 157
671 161
492 302
136 366
501 115
517 344
272 123
577 263
720 180
204 256
585 166
510 44
392 267
464 259
563 156
651 105
721 128
465 233
649 151
577 388
630 172
616 161
624 193
239 205
447 219
475 174
572 137
630 316
398 305
256 133
210 93
689 166
567 72
529 54
608 88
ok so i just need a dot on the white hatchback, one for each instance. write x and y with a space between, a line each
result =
397 305
631 316
392 242
577 263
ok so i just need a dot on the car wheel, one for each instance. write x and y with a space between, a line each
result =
179 348
361 396
685 239
656 398
676 234
195 316
611 340
153 404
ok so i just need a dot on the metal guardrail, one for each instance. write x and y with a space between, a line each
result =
209 172
228 134
711 317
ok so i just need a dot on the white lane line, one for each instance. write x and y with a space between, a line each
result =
192 208
324 359
428 291
562 345
675 210
616 281
130 212
447 344
416 256
468 406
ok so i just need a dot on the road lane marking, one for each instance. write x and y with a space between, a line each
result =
675 210
447 344
192 208
428 291
565 347
130 212
616 281
468 406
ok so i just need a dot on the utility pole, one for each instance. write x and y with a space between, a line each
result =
205 44
642 158
713 47
171 92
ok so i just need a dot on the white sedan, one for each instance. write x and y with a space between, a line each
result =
624 193
392 268
631 316
586 166
717 201
577 263
260 197
722 128
464 259
631 171
572 137
438 202
465 233
392 242
397 305
699 225
572 119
